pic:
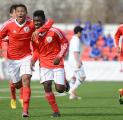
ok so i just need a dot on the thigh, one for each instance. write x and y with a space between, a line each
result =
46 75
59 76
25 67
14 70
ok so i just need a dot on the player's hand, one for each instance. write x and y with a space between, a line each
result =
34 35
56 61
79 64
32 64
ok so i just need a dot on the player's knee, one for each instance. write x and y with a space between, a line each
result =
26 77
18 86
26 80
47 86
82 79
60 90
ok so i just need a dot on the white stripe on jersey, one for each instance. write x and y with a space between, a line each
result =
120 25
57 32
6 23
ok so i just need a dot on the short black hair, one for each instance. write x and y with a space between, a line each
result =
39 13
22 5
12 8
77 29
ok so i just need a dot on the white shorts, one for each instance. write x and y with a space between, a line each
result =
56 74
72 71
17 68
79 73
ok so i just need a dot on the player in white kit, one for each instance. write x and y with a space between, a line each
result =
75 63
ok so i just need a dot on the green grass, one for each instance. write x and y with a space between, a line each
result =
99 102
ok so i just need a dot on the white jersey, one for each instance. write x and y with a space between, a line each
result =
75 46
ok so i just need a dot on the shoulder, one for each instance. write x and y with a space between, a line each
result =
75 38
29 22
120 27
8 22
57 31
11 20
29 19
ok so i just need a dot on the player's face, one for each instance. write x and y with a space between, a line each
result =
20 14
38 22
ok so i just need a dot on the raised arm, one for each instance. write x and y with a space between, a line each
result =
48 24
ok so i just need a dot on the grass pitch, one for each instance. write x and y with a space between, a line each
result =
99 102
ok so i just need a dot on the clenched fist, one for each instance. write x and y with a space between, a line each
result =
56 61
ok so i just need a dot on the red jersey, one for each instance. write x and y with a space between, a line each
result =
52 44
19 37
118 34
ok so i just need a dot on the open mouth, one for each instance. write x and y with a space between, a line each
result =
20 17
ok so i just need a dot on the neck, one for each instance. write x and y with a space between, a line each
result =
20 22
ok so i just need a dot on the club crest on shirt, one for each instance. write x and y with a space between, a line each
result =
49 39
26 29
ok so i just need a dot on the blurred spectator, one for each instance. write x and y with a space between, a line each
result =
100 27
95 31
86 34
91 33
95 53
93 40
105 53
87 26
109 41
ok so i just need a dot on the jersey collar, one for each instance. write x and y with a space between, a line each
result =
21 24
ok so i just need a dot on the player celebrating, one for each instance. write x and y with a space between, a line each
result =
19 31
11 85
52 48
119 49
75 63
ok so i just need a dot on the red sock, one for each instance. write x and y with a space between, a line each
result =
51 99
12 90
21 93
26 98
